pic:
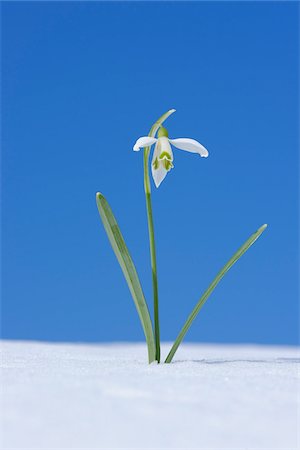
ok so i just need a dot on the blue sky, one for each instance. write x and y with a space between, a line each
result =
81 81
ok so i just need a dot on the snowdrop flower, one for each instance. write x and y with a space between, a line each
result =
162 161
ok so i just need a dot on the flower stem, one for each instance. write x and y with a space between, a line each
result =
153 260
147 188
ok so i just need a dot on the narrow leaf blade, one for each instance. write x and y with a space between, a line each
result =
120 249
210 289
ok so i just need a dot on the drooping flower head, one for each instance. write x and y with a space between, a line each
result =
162 160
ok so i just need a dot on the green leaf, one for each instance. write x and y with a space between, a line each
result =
211 287
118 244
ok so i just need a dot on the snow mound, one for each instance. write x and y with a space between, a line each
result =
106 396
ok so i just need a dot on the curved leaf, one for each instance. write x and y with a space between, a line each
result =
211 287
118 244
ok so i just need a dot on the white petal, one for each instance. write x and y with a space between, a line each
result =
158 174
190 145
157 150
144 141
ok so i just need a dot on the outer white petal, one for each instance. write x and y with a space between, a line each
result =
157 150
144 141
190 145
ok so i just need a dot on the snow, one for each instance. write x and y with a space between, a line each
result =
106 396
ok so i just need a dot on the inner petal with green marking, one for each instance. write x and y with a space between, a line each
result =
167 164
165 160
165 155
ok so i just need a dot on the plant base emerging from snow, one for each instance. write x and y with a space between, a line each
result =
162 163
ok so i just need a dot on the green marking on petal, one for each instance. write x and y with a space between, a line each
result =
155 164
167 164
165 155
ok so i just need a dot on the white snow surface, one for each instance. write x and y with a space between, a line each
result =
106 396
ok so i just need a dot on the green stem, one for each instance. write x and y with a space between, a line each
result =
147 188
153 261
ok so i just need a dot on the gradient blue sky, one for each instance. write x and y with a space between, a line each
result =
80 82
